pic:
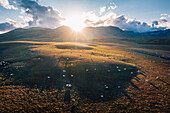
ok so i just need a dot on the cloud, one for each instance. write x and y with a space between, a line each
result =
5 4
94 20
121 21
102 9
112 19
41 15
8 25
163 19
131 24
112 6
37 15
46 16
162 23
165 15
11 24
155 23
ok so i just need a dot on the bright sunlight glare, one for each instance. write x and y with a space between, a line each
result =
75 22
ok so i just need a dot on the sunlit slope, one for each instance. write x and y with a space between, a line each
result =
57 75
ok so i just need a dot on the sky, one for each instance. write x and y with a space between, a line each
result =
131 15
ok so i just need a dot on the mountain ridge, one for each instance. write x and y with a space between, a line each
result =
65 31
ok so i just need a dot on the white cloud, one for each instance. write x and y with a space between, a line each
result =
111 19
10 21
112 6
5 4
91 19
162 23
26 20
163 19
166 25
102 10
8 25
164 14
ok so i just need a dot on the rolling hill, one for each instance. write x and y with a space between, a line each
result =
67 34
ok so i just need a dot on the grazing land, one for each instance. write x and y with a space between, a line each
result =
92 75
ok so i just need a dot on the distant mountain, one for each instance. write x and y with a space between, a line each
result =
65 33
104 31
161 33
115 31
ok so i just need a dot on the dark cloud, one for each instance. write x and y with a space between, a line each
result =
6 26
155 23
42 15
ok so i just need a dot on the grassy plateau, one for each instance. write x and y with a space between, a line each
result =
91 75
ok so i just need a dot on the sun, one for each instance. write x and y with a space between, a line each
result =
75 22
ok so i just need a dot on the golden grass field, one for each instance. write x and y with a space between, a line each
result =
105 76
